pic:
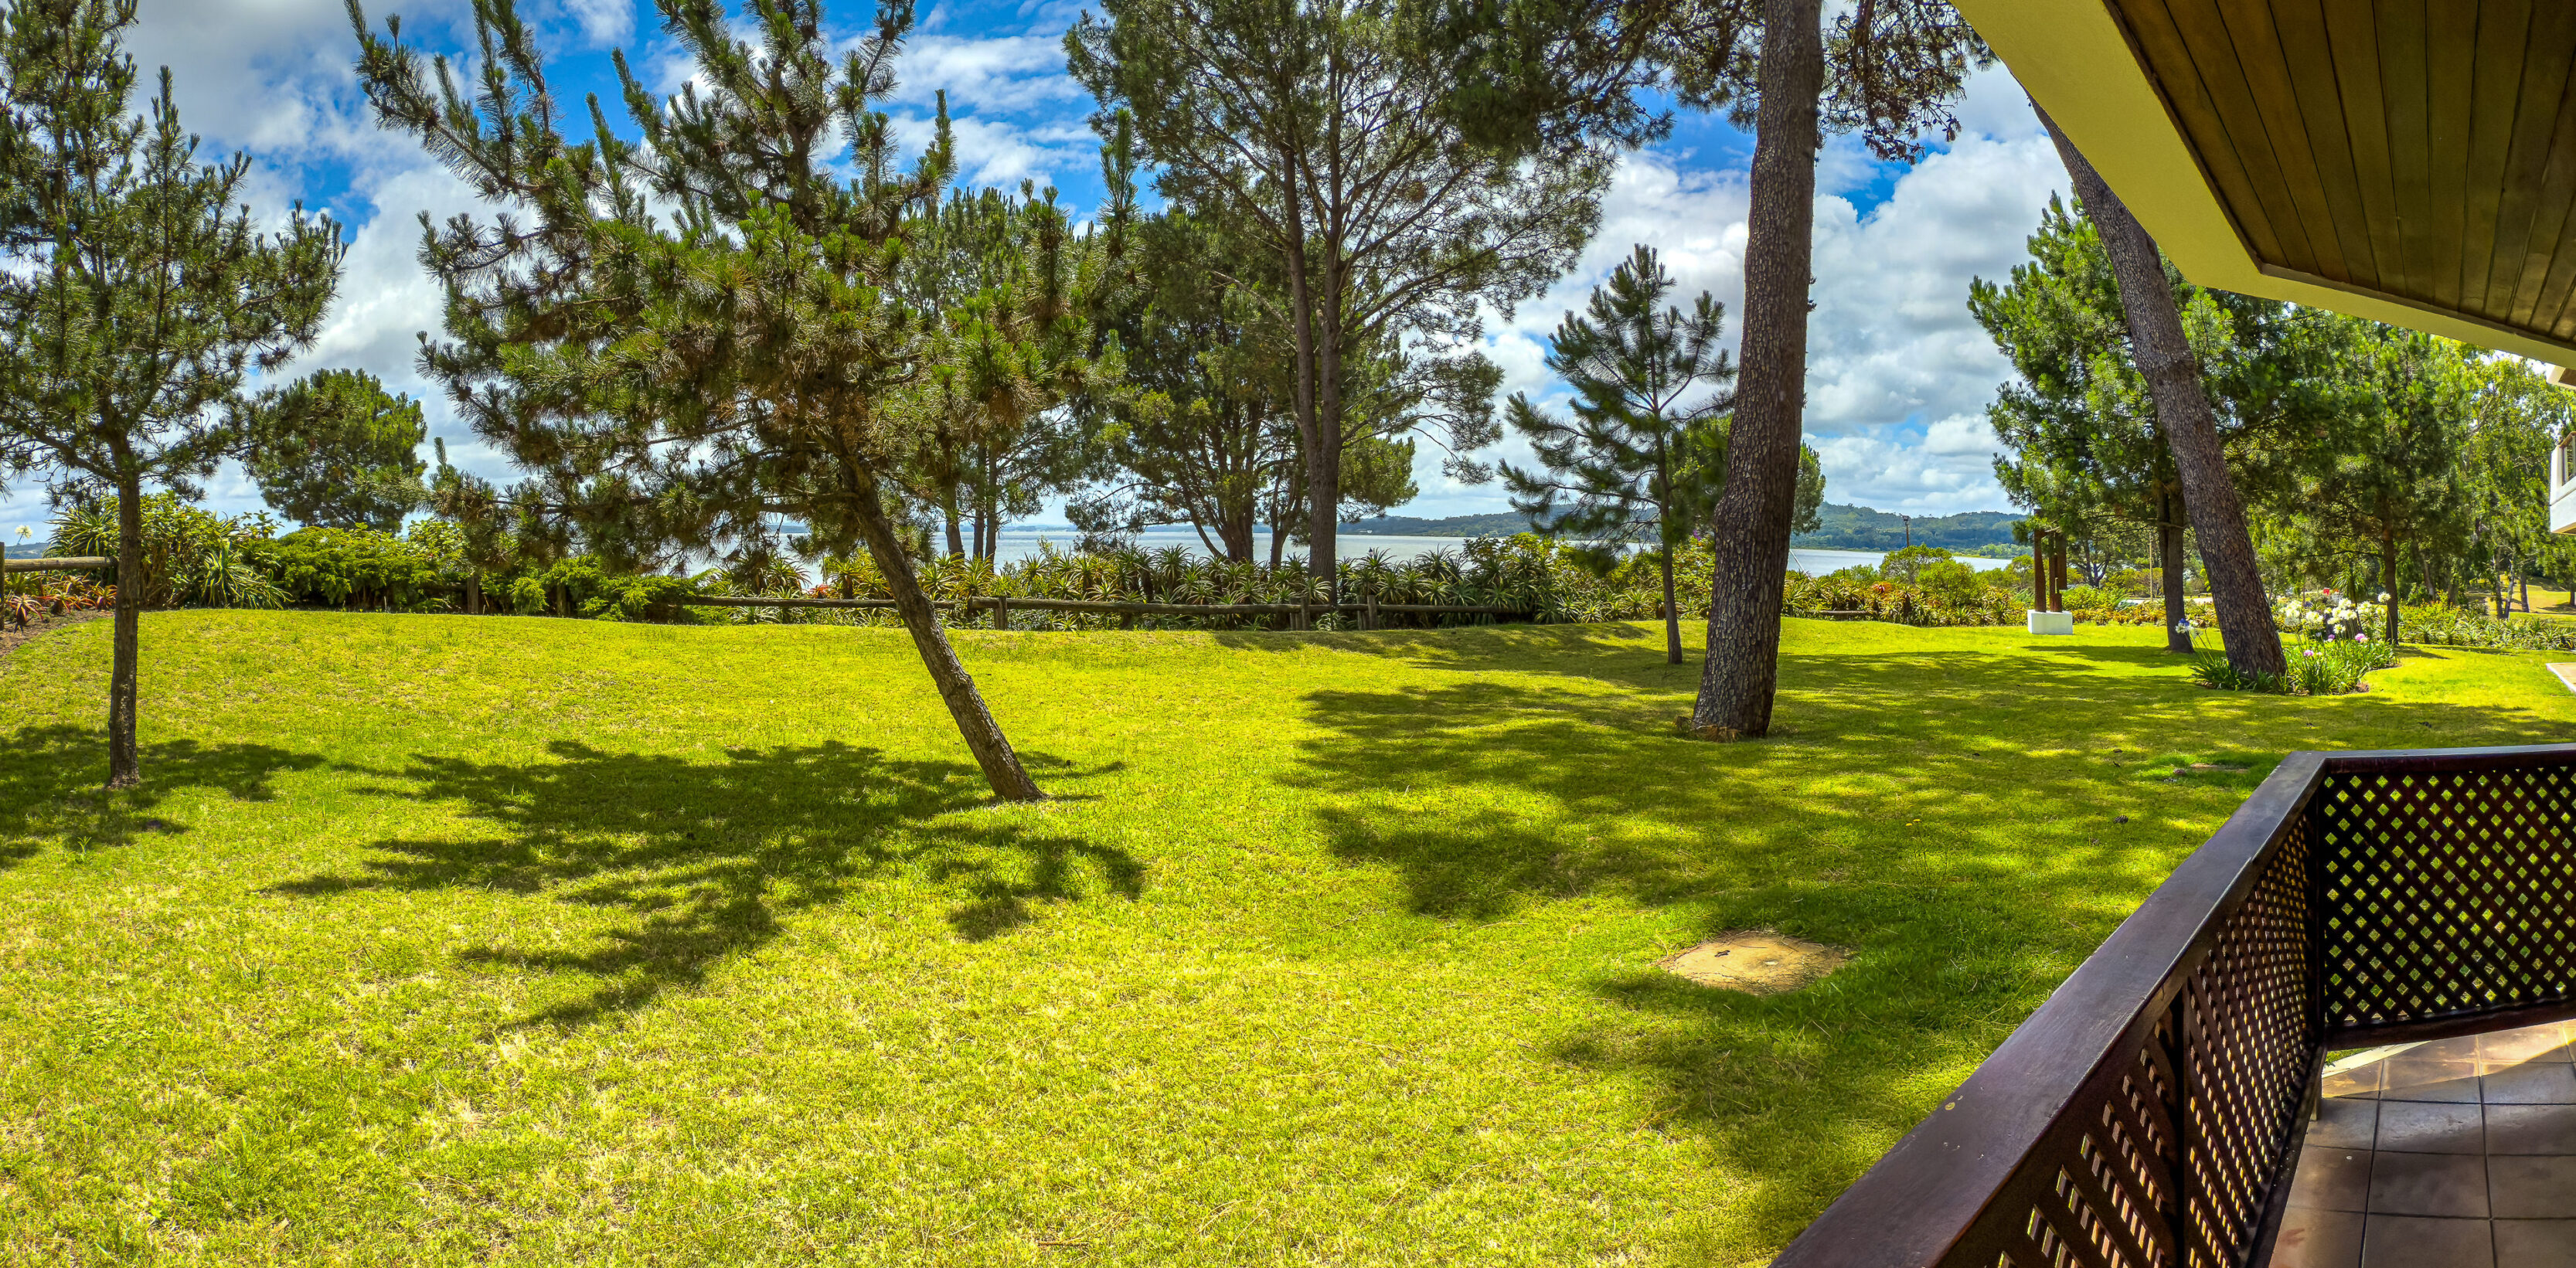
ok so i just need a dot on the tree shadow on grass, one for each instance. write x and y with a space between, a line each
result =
708 860
50 786
1970 825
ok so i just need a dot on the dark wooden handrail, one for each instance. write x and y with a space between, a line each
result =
2149 1112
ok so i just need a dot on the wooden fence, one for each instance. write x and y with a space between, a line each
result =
1367 609
76 563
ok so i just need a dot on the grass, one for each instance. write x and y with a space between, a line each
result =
447 941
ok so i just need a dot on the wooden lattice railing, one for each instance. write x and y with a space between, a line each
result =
2148 1114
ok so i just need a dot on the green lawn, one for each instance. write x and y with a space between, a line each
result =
437 940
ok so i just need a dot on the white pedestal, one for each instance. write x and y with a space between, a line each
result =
2052 622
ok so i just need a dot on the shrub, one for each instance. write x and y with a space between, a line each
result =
358 568
191 556
1907 565
2084 598
2442 626
2334 668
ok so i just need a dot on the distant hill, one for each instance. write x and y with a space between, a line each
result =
28 551
1501 524
1860 528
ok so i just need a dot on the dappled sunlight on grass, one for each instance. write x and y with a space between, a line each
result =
527 941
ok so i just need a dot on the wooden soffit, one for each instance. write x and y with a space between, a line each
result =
2411 161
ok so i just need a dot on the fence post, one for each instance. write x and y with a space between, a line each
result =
1368 604
1001 612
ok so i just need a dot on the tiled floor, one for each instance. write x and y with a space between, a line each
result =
2458 1154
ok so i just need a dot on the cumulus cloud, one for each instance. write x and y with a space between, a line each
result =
1898 373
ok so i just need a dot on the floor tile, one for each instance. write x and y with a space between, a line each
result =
2318 1239
2545 1042
2464 1048
2331 1180
2422 1128
2540 1083
2428 1184
2415 1077
2360 1082
2400 1242
2531 1129
2531 1243
2344 1124
2531 1188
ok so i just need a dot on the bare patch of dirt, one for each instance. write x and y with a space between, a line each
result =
11 636
1756 961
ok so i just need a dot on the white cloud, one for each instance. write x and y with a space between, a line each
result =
1002 73
1898 373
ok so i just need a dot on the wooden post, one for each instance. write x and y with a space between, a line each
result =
1368 605
2057 572
1001 612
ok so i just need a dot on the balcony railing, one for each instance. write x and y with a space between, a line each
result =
2149 1113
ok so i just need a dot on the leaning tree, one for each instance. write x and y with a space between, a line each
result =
139 292
686 333
2173 377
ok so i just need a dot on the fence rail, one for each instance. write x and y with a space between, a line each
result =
1366 610
2149 1113
66 564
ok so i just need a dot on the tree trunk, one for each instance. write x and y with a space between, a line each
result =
474 594
2388 580
1672 614
2169 562
124 757
1323 518
983 736
956 544
1750 527
2191 431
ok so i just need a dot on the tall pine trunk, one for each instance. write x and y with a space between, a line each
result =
2169 563
2388 577
124 758
1751 523
2172 373
983 736
1672 614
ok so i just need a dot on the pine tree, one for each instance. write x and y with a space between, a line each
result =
2087 446
1625 464
1895 67
688 333
2388 476
140 293
1334 135
337 450
2173 377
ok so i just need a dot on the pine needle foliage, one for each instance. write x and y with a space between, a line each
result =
1627 461
139 293
691 331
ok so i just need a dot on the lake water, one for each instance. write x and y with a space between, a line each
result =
1023 543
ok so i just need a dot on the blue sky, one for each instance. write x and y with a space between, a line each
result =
1898 379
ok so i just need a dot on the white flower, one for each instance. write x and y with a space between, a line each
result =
2383 596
